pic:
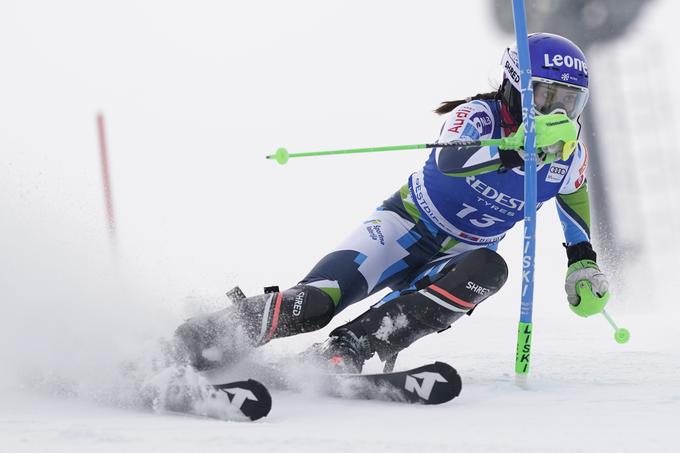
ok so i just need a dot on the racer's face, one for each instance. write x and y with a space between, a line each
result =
551 97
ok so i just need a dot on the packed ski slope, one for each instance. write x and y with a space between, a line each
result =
585 395
194 97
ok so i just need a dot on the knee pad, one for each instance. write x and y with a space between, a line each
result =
472 278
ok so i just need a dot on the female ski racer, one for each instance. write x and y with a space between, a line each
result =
433 242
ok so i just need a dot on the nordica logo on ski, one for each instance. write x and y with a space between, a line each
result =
238 396
423 389
250 397
564 60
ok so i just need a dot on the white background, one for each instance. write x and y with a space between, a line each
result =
195 94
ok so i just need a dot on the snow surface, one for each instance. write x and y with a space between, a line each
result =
585 394
194 96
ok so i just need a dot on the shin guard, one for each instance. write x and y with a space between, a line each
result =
215 339
281 314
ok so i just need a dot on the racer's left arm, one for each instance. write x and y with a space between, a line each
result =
573 207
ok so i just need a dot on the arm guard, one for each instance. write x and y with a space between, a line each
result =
574 212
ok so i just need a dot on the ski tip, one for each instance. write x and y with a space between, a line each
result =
452 376
251 397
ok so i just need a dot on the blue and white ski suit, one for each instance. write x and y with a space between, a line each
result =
462 199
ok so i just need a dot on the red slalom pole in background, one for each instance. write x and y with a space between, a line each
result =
106 179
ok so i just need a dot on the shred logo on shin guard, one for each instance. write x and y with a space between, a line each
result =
297 304
423 389
477 289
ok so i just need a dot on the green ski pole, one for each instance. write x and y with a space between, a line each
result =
282 155
551 129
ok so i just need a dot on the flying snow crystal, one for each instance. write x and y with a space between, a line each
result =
389 325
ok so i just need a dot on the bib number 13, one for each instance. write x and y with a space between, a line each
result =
479 220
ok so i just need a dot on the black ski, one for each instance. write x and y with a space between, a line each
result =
435 383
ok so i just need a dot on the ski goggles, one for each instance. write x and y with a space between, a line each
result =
551 96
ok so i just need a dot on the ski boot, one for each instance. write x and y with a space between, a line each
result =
341 352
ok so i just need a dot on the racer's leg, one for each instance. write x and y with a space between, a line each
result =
384 250
445 290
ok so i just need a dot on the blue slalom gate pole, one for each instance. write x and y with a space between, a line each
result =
523 356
